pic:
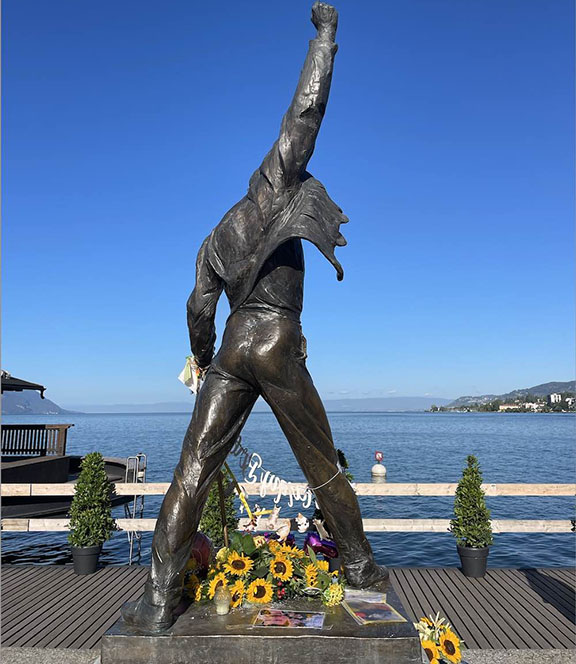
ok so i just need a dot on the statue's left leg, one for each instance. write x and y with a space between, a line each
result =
297 406
221 408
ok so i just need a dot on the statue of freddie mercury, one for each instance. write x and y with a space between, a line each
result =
255 255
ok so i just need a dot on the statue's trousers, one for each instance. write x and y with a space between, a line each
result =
262 353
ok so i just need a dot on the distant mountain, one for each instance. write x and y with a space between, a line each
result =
29 403
384 404
538 391
160 407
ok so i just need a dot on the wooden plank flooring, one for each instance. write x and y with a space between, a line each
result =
51 607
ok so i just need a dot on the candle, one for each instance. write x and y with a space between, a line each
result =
222 599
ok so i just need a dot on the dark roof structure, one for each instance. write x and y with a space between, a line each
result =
11 384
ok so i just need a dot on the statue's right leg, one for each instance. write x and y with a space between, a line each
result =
221 409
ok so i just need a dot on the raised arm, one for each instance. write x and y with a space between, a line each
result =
290 154
201 309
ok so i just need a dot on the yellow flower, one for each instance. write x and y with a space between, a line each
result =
333 595
191 585
237 590
219 580
281 568
450 646
198 594
259 591
294 551
322 565
431 650
311 575
237 564
259 540
274 546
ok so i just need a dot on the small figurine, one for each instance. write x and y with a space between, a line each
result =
283 531
324 534
273 519
302 523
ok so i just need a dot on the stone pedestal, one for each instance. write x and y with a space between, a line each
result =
199 636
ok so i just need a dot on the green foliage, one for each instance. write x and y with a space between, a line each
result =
343 461
91 521
492 407
471 523
211 521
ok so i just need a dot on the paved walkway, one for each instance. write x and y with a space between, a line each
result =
67 656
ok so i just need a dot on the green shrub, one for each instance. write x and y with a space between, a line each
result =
91 521
211 521
471 523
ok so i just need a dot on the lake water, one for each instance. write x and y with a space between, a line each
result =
417 447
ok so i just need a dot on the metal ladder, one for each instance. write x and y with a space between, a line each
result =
135 474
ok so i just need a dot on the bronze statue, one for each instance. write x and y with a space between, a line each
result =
255 256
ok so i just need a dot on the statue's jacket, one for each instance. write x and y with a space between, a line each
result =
283 203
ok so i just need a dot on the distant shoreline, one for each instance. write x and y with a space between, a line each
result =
265 412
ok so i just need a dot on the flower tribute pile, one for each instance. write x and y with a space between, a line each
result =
438 640
258 571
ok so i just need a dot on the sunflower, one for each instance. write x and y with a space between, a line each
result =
293 551
219 580
450 646
237 564
259 540
432 652
311 574
237 590
198 594
333 595
192 585
274 546
259 591
281 568
322 565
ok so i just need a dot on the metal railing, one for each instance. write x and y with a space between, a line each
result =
34 439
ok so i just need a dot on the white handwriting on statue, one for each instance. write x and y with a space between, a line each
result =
251 465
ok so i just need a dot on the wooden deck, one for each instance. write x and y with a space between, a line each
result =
51 607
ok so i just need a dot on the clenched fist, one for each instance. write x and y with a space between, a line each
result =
325 19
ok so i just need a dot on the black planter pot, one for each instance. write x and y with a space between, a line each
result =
474 560
85 558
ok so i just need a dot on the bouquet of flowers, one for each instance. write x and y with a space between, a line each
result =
259 571
438 640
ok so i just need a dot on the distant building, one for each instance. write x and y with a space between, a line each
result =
570 401
508 406
532 405
554 398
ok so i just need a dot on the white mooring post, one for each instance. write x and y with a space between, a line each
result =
378 470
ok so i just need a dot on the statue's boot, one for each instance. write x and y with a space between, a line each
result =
367 576
154 612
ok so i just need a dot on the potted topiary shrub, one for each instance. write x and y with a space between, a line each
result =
211 522
471 523
91 522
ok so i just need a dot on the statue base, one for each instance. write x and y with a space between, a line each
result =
199 636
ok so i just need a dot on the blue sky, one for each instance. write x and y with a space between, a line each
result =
131 127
